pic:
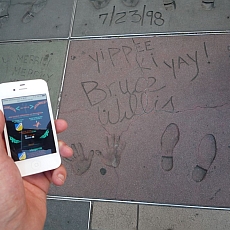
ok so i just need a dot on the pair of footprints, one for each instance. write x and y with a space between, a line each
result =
168 4
206 152
98 4
34 9
111 157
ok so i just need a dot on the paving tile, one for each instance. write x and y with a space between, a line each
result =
31 60
148 120
35 19
67 215
151 16
113 216
170 218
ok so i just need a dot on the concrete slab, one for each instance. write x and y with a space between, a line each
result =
150 16
35 19
67 215
32 60
148 120
158 218
113 216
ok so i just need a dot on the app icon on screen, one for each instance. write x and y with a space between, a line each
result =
22 156
18 126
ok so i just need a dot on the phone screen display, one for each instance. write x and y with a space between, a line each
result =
28 126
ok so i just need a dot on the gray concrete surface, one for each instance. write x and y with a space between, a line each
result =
123 216
113 216
50 19
151 16
158 218
152 119
67 215
32 60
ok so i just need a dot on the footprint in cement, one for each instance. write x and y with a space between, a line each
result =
169 5
79 163
130 2
169 140
112 156
206 155
98 4
4 15
207 4
36 7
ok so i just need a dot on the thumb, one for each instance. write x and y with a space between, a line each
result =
2 122
2 141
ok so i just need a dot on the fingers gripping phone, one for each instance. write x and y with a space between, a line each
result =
29 131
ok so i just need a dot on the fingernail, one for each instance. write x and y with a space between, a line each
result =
61 177
60 143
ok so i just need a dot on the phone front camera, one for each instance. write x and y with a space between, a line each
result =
13 89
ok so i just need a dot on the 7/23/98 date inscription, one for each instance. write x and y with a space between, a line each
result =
134 16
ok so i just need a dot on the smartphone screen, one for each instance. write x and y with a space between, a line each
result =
28 126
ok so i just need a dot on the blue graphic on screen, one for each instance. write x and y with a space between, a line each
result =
22 156
29 127
19 126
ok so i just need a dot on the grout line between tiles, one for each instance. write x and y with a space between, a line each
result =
34 40
63 78
90 212
170 34
138 208
114 36
137 202
72 17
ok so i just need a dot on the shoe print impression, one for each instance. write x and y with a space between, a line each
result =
169 140
99 4
35 9
206 155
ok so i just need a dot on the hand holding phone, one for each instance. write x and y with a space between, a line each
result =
29 132
23 200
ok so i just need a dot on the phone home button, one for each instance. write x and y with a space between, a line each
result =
36 164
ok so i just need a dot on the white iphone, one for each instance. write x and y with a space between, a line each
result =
30 134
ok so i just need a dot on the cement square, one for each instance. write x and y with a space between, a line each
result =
158 218
148 120
67 215
150 16
113 216
35 19
32 60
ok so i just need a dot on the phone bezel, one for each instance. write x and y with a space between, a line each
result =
27 88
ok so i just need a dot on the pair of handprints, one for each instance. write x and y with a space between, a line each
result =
80 163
